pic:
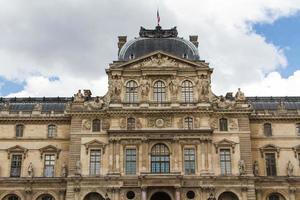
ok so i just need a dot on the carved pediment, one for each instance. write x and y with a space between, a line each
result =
17 149
160 59
95 144
225 143
50 149
269 148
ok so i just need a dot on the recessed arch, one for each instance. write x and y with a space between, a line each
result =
275 196
93 196
11 197
160 195
160 158
45 197
227 195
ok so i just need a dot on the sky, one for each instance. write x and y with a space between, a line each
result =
54 48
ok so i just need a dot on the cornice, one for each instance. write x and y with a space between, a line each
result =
161 131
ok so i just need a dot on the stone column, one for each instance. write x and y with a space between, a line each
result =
244 193
117 153
28 194
202 157
144 193
258 194
62 194
176 154
206 156
145 154
210 159
177 194
110 156
198 159
292 192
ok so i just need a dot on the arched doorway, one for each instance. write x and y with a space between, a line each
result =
275 196
45 197
93 196
160 196
228 196
11 197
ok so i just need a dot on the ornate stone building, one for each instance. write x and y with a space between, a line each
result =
160 133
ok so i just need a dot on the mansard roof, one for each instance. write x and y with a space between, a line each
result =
273 103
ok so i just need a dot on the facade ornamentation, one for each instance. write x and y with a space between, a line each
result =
203 86
78 97
173 85
290 169
86 124
240 96
115 85
64 170
95 104
30 170
255 168
242 167
78 168
145 88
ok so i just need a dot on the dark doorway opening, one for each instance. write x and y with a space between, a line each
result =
160 196
228 196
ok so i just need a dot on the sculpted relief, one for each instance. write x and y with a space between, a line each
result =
115 88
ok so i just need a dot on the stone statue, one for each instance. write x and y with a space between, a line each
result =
240 96
115 88
78 97
78 168
290 168
203 86
64 170
145 88
173 86
242 167
30 170
255 168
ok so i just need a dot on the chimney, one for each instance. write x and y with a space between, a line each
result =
122 41
194 40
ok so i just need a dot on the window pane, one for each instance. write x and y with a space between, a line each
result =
15 167
188 123
131 123
130 165
225 161
96 125
187 92
189 161
270 164
159 93
131 92
160 159
223 124
267 129
49 165
95 162
19 130
51 130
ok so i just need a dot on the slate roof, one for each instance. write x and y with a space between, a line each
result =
272 103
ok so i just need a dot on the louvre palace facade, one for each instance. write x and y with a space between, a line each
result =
159 133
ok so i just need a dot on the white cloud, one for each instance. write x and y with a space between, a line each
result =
75 41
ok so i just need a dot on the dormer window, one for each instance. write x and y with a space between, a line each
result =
185 56
131 57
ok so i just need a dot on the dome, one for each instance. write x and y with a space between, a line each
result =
158 40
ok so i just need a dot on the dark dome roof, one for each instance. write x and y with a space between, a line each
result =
158 40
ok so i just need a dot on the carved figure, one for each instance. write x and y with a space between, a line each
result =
173 86
96 104
242 167
115 88
255 168
78 168
203 88
145 88
290 168
30 170
78 97
240 96
64 170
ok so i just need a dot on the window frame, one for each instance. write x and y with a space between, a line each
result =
19 166
190 162
267 129
93 164
94 127
49 163
131 161
131 92
160 163
159 92
187 91
226 161
273 170
131 123
19 133
223 127
188 122
54 131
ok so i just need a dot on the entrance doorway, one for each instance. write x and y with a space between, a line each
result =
160 196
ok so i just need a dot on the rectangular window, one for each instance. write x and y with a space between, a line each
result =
16 166
95 162
49 165
189 161
225 161
270 164
130 163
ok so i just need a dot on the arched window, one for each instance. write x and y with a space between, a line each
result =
298 129
187 92
188 123
267 129
160 159
96 125
93 196
159 92
131 92
19 130
46 197
276 196
223 122
11 197
130 123
52 130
